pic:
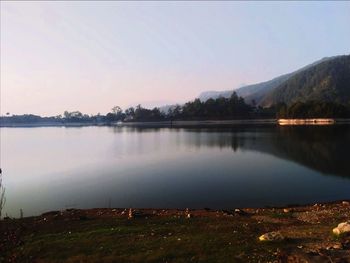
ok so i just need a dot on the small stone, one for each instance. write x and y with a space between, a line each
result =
286 210
187 213
345 203
337 246
130 214
271 236
238 211
342 228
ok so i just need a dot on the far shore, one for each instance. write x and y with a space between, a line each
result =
184 123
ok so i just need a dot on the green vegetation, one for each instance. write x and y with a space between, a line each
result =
328 81
106 235
221 108
313 109
233 107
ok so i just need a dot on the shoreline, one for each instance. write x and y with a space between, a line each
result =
177 235
184 123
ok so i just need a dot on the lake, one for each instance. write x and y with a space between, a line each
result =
52 168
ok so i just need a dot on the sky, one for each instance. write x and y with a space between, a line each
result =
91 56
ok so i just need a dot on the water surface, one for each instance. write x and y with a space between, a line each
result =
53 168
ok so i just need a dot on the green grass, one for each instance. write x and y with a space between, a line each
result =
211 237
152 240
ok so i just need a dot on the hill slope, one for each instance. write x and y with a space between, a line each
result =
249 92
261 92
325 81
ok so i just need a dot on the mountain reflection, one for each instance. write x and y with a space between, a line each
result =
322 148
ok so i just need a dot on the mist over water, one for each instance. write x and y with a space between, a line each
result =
53 168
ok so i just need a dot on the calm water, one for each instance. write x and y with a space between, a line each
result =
56 168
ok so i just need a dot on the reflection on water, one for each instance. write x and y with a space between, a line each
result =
323 148
226 167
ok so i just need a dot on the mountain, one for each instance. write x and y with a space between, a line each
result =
256 92
206 95
325 81
260 91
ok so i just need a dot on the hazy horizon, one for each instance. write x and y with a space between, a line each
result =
90 56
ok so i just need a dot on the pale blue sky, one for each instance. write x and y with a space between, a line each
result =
90 56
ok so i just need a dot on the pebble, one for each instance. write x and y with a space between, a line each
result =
342 228
271 236
130 214
335 246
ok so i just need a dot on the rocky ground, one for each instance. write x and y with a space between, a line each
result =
299 234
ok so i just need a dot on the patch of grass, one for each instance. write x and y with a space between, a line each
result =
281 215
151 240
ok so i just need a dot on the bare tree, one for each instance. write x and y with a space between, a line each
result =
2 194
116 110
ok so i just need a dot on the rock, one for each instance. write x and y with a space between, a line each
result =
286 210
342 228
51 213
271 236
187 213
345 203
335 246
240 212
135 214
130 214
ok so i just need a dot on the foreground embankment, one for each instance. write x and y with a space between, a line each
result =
293 234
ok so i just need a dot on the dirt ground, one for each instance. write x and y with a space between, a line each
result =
156 235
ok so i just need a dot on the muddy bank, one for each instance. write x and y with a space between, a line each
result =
157 235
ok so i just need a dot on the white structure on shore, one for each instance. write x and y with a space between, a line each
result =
323 121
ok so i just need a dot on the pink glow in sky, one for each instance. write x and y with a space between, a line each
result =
90 56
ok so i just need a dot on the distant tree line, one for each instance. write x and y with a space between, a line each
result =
220 108
213 109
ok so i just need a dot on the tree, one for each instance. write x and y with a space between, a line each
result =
117 110
66 114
